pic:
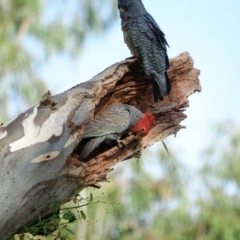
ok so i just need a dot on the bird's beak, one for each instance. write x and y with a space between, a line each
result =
138 136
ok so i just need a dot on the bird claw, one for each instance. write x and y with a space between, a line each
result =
121 143
130 133
137 136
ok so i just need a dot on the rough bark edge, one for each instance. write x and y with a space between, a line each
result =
131 88
123 82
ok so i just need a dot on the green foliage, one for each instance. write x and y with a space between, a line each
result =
165 146
222 156
61 223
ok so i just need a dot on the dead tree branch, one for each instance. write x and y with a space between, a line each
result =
39 149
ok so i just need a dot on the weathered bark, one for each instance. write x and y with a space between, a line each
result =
39 149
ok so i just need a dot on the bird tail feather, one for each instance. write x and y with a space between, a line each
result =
90 146
161 86
95 142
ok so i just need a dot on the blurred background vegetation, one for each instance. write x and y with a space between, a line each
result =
153 194
31 32
164 207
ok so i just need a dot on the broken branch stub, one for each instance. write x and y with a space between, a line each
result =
39 150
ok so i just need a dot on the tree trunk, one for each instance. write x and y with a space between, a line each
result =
39 149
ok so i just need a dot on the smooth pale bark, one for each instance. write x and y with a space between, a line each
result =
39 149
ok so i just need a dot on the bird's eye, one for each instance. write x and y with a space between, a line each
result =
142 130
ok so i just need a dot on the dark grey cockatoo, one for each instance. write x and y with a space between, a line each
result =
112 123
147 42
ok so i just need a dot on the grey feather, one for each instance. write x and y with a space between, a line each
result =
109 125
147 42
115 119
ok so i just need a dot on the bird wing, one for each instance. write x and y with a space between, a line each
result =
115 119
151 42
160 36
